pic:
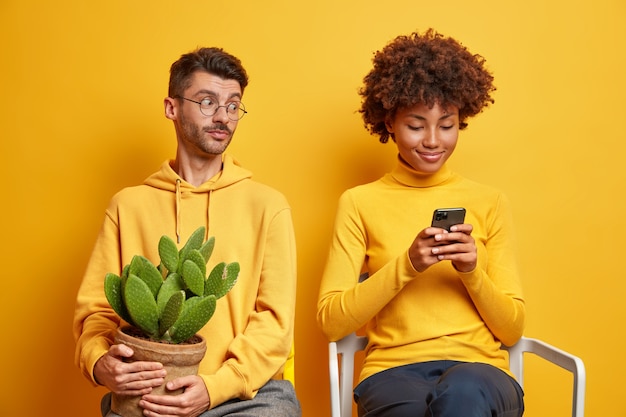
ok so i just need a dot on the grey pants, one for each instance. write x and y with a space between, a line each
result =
274 399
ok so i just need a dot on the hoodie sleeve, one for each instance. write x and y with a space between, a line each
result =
260 352
94 320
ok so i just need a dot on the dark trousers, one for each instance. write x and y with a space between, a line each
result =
440 389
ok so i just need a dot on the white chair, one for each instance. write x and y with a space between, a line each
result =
341 377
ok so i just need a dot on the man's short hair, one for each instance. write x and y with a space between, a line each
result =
211 60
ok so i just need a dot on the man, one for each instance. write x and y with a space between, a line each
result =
250 336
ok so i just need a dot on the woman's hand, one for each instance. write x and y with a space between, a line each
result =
433 245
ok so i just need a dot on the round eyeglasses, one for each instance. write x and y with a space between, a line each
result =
235 110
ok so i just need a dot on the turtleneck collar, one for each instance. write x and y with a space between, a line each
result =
406 175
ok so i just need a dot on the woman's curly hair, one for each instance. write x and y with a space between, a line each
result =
424 69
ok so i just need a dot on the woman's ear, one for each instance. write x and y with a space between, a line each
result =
389 126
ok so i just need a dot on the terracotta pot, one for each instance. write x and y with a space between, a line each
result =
178 360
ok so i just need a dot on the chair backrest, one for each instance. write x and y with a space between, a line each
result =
342 375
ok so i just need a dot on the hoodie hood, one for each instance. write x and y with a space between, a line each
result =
167 179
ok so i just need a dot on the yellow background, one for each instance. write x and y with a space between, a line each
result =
82 87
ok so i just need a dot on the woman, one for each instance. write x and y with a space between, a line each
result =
437 305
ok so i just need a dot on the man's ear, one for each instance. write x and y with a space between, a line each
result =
171 108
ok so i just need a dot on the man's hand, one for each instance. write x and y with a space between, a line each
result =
433 245
191 403
133 378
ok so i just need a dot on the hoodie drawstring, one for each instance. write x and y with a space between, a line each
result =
208 207
178 210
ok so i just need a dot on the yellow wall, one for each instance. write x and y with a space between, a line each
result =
82 89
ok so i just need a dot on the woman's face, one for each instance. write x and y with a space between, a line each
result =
425 137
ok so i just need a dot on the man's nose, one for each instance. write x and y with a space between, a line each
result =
221 115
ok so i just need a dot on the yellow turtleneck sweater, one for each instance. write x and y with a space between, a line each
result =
439 314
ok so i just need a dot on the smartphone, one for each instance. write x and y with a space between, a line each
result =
448 217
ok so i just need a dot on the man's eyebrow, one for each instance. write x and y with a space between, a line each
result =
214 94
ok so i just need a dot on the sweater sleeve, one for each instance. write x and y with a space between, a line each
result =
344 305
495 289
260 352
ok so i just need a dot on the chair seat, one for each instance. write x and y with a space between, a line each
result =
342 377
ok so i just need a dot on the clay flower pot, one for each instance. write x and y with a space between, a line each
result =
178 359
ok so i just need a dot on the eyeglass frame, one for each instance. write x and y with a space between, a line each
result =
242 108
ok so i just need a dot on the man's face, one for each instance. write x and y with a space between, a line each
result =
200 134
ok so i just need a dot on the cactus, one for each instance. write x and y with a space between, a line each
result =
174 300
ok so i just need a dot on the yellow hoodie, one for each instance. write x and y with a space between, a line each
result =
250 335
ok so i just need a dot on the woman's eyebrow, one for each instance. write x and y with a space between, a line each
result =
420 117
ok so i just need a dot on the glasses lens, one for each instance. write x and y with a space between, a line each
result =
208 106
236 110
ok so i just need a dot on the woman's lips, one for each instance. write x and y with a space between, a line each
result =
430 156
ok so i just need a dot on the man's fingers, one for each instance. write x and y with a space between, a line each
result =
121 350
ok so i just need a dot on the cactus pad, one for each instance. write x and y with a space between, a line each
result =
193 318
141 305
